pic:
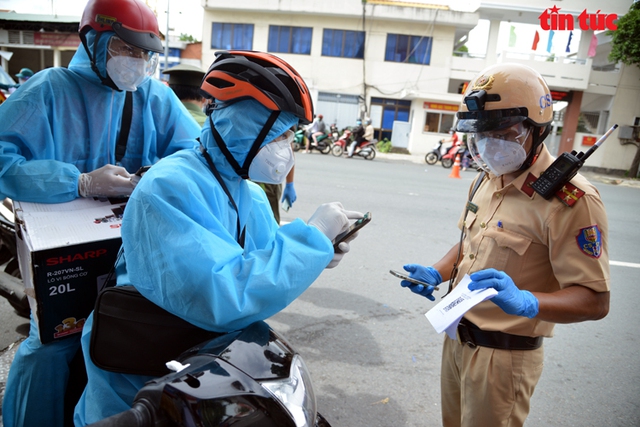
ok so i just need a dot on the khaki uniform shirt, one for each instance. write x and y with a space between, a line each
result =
543 245
195 112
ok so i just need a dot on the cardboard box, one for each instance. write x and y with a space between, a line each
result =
66 252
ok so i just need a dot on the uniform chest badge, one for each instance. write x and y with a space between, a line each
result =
590 241
526 187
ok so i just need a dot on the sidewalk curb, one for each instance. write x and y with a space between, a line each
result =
591 176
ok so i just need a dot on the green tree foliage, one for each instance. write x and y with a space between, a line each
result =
626 49
626 39
187 38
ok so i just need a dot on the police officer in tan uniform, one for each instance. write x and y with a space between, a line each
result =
547 259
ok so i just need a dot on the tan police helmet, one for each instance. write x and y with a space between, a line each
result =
511 92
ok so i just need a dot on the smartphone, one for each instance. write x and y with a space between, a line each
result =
351 230
142 170
409 279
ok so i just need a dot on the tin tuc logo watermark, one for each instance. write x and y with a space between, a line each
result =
552 19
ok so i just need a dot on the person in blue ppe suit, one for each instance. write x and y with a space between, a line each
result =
184 80
185 245
58 136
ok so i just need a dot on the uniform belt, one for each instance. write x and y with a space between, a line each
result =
473 336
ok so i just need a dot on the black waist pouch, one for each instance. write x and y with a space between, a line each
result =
132 335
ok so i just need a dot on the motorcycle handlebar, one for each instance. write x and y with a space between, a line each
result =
139 415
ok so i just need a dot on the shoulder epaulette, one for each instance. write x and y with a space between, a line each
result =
569 194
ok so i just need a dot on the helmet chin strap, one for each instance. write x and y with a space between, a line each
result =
92 58
536 140
243 171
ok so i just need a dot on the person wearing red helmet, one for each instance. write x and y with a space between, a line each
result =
62 136
213 254
547 259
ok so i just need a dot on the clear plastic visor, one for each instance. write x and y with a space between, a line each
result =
118 47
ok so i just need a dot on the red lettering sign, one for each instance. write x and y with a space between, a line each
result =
56 39
552 19
439 106
76 257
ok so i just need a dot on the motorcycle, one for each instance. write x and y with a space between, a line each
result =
341 144
324 141
450 157
436 153
251 377
367 149
11 285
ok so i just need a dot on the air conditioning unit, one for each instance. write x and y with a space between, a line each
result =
628 132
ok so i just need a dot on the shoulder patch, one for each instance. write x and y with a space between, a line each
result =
590 241
569 194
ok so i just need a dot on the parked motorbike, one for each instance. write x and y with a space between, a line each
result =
11 285
324 141
251 377
436 153
450 157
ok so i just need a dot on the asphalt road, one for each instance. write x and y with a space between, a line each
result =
375 359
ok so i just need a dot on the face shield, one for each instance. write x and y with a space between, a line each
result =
274 160
500 151
129 66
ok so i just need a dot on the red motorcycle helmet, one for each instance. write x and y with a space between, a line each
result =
132 21
238 74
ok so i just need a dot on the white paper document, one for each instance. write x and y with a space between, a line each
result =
446 315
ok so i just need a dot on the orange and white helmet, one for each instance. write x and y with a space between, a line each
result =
238 74
503 95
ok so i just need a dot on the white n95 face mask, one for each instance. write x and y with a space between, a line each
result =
501 156
500 152
274 161
126 72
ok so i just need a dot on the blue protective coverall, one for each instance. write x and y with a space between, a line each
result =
60 123
180 249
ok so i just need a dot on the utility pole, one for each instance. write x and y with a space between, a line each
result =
166 41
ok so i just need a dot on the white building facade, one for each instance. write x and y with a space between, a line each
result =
397 63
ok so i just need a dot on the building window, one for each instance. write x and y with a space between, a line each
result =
409 49
231 36
387 111
438 122
343 43
289 39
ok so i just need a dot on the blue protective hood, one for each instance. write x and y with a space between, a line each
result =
239 124
80 62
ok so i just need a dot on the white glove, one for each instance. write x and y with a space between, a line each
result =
108 180
332 219
337 256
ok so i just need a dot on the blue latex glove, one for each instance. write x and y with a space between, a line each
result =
425 274
510 299
289 193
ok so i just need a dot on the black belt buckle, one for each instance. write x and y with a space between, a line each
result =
464 336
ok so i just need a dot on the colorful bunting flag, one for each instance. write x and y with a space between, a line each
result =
536 39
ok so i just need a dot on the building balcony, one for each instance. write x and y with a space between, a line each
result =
563 73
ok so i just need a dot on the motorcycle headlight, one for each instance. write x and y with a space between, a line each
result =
296 393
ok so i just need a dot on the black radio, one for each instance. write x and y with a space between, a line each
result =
564 168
